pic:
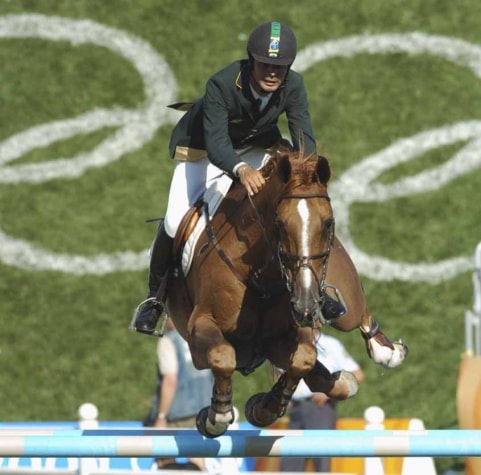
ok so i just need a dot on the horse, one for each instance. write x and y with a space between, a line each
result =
258 280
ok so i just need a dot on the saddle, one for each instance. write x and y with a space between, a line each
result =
191 226
186 228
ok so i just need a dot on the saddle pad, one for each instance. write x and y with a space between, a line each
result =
213 196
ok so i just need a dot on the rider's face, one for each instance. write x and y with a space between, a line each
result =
268 77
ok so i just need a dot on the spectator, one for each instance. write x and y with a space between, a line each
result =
182 391
316 410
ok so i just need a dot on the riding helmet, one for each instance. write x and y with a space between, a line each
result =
272 43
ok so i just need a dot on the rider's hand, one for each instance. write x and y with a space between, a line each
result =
251 178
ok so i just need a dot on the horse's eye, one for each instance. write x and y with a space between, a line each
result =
328 224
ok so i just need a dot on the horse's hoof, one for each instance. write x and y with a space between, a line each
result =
400 353
387 356
254 403
201 420
203 425
346 385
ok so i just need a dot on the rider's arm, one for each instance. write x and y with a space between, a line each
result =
219 145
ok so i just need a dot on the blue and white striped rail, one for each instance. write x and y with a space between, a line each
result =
239 443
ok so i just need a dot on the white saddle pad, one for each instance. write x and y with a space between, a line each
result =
213 196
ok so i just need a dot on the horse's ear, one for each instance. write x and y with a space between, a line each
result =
284 167
323 170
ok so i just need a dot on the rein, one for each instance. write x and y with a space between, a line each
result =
251 283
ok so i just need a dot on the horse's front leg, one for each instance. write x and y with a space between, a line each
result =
209 349
342 274
379 348
264 408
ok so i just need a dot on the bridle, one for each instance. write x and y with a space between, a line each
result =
297 263
300 261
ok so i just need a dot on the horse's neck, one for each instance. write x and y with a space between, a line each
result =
268 200
253 221
253 217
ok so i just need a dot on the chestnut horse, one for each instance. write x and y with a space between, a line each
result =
254 293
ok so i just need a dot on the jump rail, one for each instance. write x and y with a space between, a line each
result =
239 443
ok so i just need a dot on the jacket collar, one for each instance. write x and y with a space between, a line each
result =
242 84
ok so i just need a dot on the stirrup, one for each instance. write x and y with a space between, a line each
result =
337 299
160 324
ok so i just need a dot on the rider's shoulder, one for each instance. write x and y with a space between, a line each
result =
230 72
294 79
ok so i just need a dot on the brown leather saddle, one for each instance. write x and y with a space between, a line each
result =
186 227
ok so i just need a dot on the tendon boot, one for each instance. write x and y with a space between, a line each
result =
150 312
332 309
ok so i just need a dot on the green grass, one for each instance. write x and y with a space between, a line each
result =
64 338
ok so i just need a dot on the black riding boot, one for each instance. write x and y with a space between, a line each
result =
160 260
332 309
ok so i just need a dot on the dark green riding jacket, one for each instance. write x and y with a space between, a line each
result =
227 118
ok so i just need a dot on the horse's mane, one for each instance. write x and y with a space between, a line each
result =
298 168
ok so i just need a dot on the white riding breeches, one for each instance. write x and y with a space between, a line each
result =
192 178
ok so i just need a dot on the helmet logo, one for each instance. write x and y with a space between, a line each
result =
274 42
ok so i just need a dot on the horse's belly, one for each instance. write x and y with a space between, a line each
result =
179 305
249 352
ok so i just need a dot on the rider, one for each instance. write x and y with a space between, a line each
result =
227 131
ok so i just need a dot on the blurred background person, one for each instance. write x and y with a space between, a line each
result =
182 391
309 410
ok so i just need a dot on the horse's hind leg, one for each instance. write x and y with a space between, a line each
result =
264 408
339 385
209 349
342 274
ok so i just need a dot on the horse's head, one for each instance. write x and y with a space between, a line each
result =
305 226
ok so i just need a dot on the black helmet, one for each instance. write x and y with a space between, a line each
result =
272 43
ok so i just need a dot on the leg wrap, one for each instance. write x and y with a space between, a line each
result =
374 329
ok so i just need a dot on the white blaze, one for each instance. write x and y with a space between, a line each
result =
303 210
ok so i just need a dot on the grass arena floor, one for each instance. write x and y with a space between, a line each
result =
394 90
